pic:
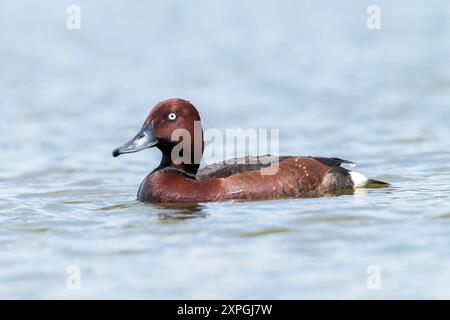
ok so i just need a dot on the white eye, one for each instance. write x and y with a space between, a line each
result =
172 116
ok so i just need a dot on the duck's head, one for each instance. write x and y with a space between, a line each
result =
165 127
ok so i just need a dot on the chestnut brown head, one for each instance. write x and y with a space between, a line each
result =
168 124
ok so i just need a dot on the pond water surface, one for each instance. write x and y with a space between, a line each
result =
312 70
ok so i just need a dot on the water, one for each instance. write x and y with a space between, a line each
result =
313 70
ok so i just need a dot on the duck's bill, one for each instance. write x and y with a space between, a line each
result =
144 139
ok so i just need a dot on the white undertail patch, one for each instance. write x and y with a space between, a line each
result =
359 180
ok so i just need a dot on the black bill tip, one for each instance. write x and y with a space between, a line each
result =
116 152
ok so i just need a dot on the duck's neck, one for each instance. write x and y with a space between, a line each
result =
167 162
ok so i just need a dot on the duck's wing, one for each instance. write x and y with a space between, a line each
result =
332 162
239 165
253 163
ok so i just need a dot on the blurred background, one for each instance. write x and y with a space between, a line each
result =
311 69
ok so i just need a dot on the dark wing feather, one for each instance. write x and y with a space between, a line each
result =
239 165
332 162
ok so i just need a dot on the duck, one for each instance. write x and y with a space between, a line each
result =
179 178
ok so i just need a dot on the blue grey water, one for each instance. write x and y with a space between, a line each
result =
311 69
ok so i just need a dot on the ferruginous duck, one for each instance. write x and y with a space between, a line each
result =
178 179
